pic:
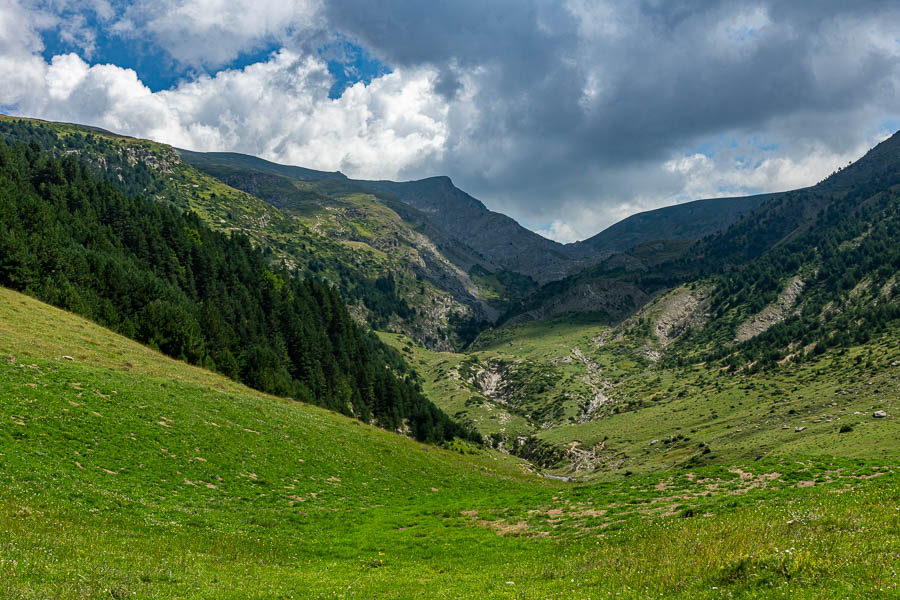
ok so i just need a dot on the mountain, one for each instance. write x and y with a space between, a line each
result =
392 267
494 235
799 280
688 221
484 247
801 220
409 243
165 278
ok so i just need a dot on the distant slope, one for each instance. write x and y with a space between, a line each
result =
234 160
496 236
808 270
763 249
689 221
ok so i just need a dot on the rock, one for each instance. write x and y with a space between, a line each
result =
510 583
68 358
879 414
799 428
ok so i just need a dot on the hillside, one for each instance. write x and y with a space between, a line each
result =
757 255
494 235
127 474
817 269
390 274
582 399
347 212
688 221
166 279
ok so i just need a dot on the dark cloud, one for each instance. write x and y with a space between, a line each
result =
568 94
574 112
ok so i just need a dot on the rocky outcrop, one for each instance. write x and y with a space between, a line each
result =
772 314
678 311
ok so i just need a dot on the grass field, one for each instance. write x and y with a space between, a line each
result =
655 418
124 474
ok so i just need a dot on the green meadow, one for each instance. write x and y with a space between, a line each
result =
124 474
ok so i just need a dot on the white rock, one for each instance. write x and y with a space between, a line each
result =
879 414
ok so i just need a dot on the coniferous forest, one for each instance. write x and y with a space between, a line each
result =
162 277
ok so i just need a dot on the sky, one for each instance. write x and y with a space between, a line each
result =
566 115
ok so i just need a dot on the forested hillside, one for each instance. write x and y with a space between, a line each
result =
391 267
809 270
163 277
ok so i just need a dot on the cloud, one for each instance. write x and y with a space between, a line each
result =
565 115
277 109
212 33
559 232
21 67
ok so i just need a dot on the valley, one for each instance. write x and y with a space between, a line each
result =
354 388
128 474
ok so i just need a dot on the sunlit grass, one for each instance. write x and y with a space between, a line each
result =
124 474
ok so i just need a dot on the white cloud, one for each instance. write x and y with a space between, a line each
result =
745 168
278 109
212 33
21 69
559 232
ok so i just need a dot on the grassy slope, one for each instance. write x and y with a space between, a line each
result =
662 418
126 474
546 381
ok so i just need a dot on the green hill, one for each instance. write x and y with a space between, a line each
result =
125 474
389 273
164 278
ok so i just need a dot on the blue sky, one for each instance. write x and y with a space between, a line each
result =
347 62
568 116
